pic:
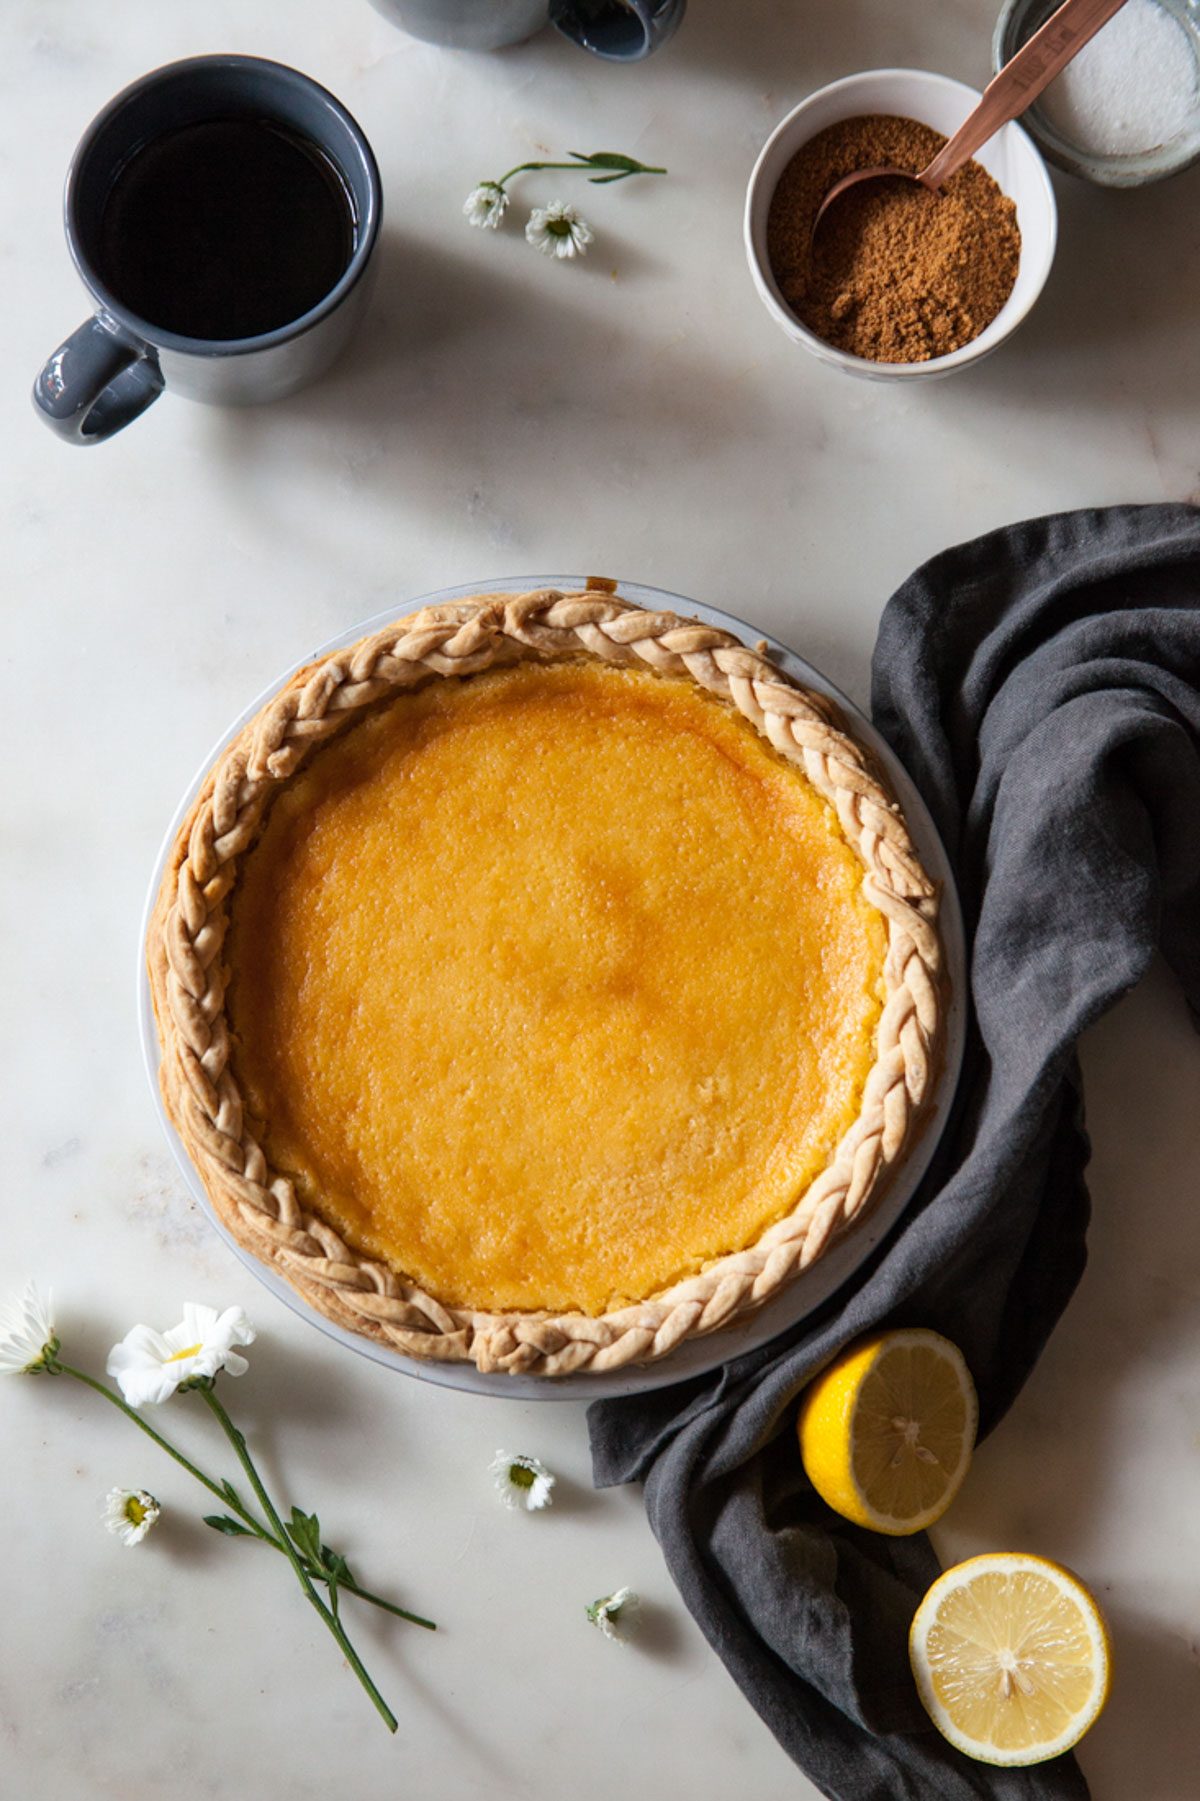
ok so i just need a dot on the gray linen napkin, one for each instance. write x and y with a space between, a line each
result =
1042 686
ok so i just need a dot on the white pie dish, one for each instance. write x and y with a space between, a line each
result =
806 1292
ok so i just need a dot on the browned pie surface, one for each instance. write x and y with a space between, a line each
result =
551 985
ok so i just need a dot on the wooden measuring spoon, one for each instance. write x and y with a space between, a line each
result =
1006 96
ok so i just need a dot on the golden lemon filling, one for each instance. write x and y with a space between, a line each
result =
550 985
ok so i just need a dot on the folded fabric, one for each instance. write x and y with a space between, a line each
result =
1042 687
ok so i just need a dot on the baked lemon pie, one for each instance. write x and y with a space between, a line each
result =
543 981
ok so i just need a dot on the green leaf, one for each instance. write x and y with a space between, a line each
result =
335 1565
305 1533
609 159
336 1570
221 1522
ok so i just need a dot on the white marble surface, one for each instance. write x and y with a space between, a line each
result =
637 416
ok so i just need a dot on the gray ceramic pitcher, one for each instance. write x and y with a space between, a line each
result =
618 30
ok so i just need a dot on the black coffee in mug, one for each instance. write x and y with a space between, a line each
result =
225 228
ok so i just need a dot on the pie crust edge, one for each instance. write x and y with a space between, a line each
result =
188 924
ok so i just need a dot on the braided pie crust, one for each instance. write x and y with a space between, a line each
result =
259 1205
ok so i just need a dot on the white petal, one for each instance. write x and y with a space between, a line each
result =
142 1364
141 1346
26 1328
616 1615
485 206
532 1495
214 1332
148 1365
235 1328
199 1323
540 1494
545 231
180 1338
117 1516
145 1387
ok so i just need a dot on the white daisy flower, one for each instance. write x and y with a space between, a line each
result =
27 1334
150 1365
616 1614
522 1481
486 205
130 1513
558 231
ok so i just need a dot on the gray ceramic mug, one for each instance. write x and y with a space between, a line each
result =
182 159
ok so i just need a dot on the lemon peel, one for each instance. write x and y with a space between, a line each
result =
887 1430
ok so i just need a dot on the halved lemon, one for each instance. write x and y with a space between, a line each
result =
1011 1656
886 1432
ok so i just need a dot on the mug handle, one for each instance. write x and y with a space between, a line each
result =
621 31
97 382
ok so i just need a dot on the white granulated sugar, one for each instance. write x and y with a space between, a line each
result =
1134 87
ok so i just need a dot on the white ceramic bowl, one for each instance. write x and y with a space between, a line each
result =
1010 157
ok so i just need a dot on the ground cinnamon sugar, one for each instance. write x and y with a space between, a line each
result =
896 274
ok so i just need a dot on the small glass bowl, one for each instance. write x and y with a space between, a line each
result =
1009 157
1018 21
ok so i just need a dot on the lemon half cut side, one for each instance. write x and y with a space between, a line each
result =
887 1431
1011 1658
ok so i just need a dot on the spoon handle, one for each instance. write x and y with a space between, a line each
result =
1021 80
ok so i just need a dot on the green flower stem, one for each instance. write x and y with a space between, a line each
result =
351 1588
248 1519
243 1513
365 1594
642 169
334 1624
